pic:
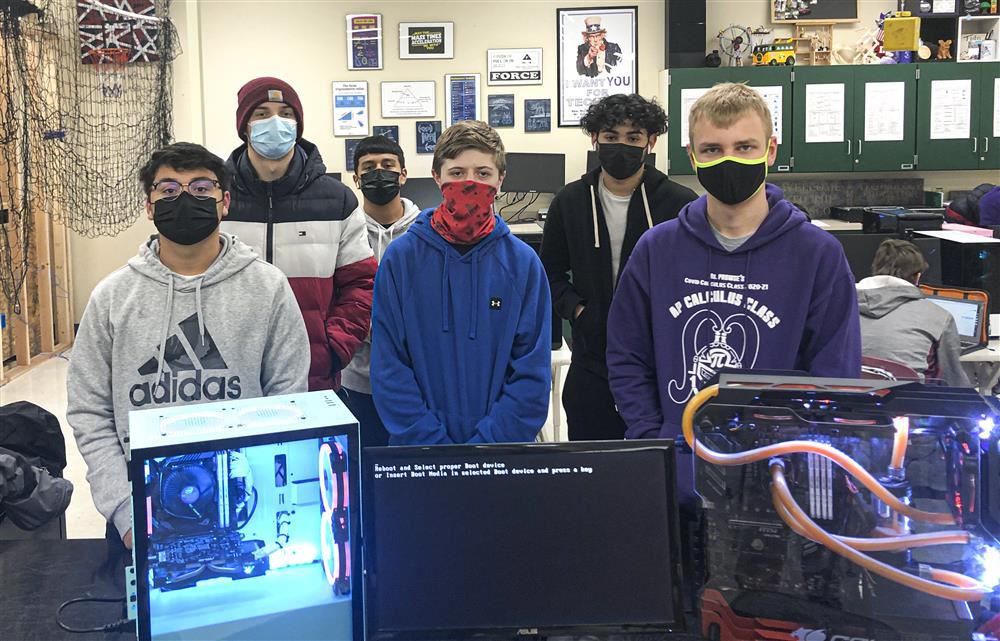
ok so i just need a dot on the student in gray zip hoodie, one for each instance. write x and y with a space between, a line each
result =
379 171
195 317
897 324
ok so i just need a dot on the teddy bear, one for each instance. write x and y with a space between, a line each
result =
944 50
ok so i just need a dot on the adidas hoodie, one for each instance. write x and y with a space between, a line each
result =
356 375
152 338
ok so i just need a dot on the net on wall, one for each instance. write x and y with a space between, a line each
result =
84 100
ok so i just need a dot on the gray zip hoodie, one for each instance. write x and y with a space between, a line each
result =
356 375
233 332
897 324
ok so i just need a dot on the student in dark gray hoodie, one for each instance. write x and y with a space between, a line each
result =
195 317
897 324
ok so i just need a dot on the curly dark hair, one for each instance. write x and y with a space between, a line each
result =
612 111
183 156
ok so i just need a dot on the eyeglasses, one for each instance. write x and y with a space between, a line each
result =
202 189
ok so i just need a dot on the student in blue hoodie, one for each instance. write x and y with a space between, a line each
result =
461 319
739 280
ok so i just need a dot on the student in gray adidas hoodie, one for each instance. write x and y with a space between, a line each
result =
897 324
379 171
195 317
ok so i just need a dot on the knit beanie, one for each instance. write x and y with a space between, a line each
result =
259 91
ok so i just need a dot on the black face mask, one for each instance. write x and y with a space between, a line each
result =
732 182
380 185
620 160
186 220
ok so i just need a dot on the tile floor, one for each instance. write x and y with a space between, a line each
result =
45 385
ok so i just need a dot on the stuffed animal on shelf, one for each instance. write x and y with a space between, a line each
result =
944 50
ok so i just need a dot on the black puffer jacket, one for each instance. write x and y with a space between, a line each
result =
576 240
32 457
964 210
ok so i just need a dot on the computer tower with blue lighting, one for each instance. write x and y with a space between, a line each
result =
245 515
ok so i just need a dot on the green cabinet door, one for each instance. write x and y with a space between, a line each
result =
775 85
686 86
989 114
823 121
948 115
884 117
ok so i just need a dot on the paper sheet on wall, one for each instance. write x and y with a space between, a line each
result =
884 106
772 96
943 6
688 97
951 109
825 112
996 107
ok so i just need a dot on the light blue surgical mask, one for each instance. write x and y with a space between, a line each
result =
274 137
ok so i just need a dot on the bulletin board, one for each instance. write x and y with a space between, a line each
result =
822 11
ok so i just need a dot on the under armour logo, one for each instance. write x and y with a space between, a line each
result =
496 303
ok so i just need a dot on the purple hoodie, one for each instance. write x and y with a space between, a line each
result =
685 308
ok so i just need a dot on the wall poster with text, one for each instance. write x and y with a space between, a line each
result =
597 57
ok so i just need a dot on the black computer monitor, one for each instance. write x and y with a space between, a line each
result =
424 192
860 251
334 174
593 162
543 173
486 541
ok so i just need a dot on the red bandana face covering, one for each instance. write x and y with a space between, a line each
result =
465 216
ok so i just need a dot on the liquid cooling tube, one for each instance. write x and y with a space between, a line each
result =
882 544
963 588
798 447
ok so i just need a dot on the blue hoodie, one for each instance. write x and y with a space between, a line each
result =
461 344
685 308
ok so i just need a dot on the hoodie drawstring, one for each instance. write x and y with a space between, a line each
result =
593 209
474 322
445 294
645 206
197 309
165 330
381 235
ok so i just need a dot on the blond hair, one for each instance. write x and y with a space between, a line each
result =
727 102
469 134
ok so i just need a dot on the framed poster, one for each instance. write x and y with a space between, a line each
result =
426 40
364 41
409 99
500 110
350 108
598 56
349 146
514 66
428 132
537 115
389 131
461 98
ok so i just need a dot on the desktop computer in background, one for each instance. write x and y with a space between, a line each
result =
246 519
498 541
534 173
423 192
970 262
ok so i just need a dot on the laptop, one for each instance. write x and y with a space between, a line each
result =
969 315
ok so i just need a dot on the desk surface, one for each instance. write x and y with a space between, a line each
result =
39 575
989 355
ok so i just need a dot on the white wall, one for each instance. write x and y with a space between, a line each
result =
227 42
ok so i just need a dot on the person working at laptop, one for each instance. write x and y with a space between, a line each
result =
899 324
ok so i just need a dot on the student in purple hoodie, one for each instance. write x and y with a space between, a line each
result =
739 280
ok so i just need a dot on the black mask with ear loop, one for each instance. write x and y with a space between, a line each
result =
620 160
380 186
186 220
